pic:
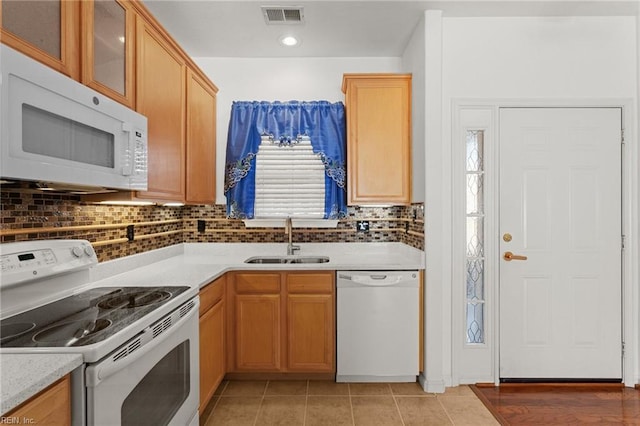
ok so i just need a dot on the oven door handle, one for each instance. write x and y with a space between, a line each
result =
115 363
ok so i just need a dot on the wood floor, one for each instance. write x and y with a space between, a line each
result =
519 404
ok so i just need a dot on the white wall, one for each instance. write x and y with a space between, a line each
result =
570 57
636 177
413 61
511 58
279 79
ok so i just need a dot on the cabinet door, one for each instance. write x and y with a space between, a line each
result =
311 335
201 141
257 332
50 407
212 352
160 96
378 138
311 331
48 31
108 38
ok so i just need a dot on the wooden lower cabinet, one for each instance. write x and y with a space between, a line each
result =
281 322
257 332
310 322
52 406
212 339
255 329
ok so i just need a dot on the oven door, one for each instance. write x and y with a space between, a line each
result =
150 380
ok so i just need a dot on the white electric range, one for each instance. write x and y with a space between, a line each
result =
140 345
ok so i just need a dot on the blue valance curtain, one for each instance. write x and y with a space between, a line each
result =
323 122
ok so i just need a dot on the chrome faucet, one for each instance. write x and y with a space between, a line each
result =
288 230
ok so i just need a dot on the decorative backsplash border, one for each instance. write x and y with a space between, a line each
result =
36 216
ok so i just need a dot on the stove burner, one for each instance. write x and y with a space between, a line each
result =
68 333
9 331
87 318
134 299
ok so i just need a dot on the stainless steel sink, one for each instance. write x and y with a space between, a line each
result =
287 259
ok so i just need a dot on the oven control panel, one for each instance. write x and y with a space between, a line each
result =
27 261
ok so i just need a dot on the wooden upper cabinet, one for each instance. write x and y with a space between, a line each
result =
46 30
160 96
118 48
378 109
201 141
108 45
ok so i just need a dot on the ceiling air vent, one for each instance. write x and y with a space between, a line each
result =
278 15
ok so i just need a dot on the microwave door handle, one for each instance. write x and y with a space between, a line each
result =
127 169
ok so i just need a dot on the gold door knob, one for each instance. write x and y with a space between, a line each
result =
508 256
507 237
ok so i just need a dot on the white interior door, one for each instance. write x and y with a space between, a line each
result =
560 201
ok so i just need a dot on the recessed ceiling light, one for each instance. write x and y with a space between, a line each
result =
289 41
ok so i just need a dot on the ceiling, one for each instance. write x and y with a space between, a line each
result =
333 28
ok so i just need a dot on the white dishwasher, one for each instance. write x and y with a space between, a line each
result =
377 326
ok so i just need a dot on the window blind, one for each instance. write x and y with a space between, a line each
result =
290 180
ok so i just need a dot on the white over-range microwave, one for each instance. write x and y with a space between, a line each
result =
56 130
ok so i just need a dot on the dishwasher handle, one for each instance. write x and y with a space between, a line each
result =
378 279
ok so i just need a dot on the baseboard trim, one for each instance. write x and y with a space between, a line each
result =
561 381
280 376
562 384
431 386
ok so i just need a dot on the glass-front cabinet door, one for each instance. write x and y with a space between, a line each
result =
108 40
46 30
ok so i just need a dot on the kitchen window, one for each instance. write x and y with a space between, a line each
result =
289 180
286 159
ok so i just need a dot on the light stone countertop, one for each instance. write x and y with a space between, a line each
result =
24 375
195 265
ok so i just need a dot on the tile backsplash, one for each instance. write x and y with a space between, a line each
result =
27 216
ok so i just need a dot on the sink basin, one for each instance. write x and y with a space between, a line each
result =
287 259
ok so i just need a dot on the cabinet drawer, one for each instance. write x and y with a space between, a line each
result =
258 283
319 282
211 294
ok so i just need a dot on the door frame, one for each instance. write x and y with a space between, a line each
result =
480 363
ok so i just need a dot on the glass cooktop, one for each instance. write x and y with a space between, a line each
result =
85 318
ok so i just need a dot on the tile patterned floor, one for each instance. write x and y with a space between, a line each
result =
311 403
